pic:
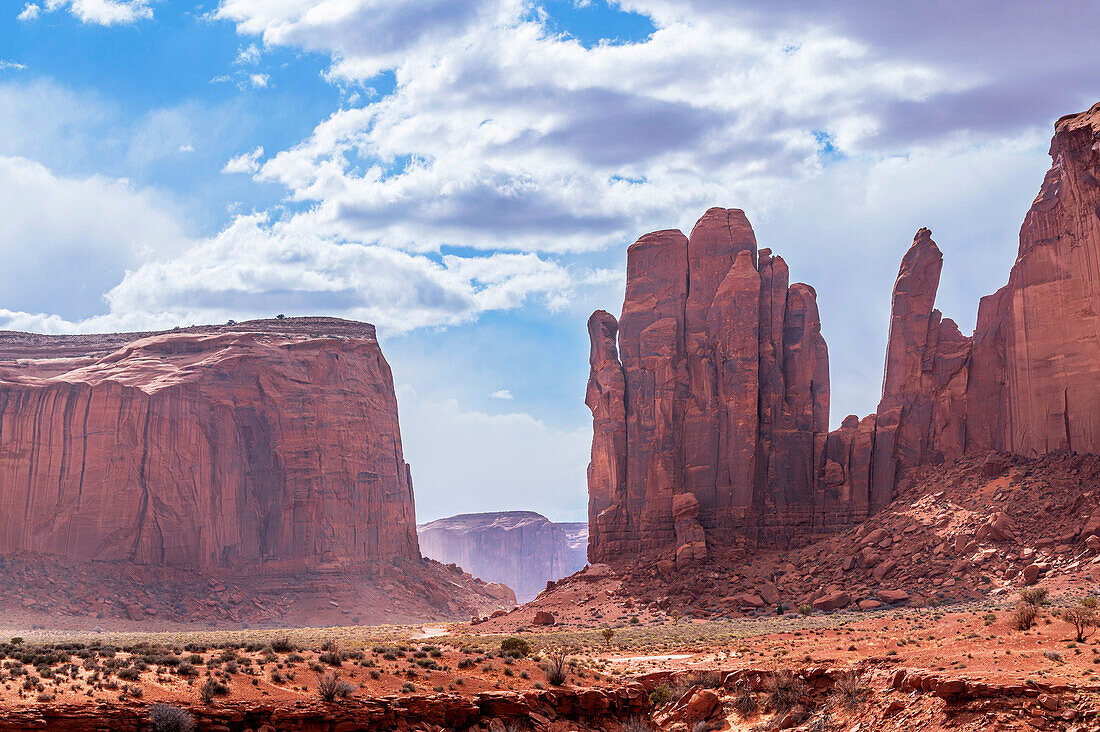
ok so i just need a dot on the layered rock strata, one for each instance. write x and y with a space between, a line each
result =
521 549
273 442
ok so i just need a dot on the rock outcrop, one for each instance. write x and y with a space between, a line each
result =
270 442
710 409
722 390
521 549
1027 381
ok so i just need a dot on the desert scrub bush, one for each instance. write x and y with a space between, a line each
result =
1023 617
1033 595
849 690
167 718
332 658
331 687
129 674
805 609
660 695
1081 618
555 666
515 647
283 644
784 690
744 702
637 724
212 688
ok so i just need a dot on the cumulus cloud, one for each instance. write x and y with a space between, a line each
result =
98 12
255 268
502 394
500 134
248 162
465 460
67 240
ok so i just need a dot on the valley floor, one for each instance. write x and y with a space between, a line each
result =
963 666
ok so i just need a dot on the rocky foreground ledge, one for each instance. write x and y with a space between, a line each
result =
556 709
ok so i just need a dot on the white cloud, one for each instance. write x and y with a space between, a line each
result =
12 65
67 240
256 268
465 461
248 56
259 81
502 394
501 135
30 12
100 12
245 162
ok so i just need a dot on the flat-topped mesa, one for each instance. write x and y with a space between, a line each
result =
521 549
712 426
273 442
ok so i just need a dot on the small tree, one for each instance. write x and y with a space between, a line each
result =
1081 618
1033 595
608 634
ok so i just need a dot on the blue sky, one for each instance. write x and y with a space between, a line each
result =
467 175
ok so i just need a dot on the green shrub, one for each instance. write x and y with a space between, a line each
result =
515 647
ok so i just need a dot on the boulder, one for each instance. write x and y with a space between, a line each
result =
1030 574
892 596
542 617
833 601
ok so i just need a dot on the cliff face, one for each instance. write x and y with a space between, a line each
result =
710 425
1027 381
270 441
521 549
722 392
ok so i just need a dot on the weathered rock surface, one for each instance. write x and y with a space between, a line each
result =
1027 381
711 425
521 549
270 441
722 391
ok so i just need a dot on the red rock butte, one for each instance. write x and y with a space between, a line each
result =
270 441
710 393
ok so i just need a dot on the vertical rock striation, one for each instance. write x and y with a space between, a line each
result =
723 382
271 442
725 377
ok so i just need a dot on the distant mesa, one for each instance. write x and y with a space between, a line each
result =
710 393
521 549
